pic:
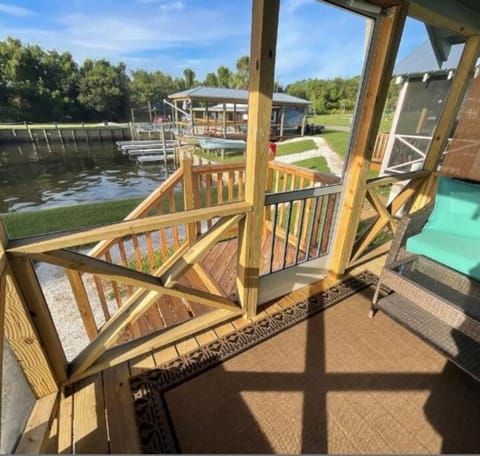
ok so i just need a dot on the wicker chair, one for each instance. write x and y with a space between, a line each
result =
437 303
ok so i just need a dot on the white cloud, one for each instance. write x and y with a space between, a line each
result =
292 6
16 11
174 6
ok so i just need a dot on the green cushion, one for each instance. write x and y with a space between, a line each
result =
457 208
457 252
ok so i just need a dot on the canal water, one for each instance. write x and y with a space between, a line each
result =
71 174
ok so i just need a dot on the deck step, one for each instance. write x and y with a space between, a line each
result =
450 342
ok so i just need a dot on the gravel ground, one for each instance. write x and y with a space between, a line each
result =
63 308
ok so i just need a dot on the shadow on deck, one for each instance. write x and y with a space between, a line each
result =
337 382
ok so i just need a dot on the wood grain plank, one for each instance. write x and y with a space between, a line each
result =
89 423
25 342
37 429
122 427
65 424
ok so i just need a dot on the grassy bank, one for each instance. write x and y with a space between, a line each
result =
345 120
29 223
295 147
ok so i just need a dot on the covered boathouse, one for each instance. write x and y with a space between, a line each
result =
223 112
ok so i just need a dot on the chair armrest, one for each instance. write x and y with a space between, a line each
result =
409 225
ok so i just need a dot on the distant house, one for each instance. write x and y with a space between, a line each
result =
224 112
425 84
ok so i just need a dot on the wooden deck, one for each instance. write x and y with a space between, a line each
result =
409 401
220 266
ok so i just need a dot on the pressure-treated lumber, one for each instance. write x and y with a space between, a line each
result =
381 57
262 68
385 180
3 286
188 199
157 340
65 419
79 262
32 295
83 303
2 331
199 249
44 243
122 427
89 421
143 208
38 425
23 338
136 306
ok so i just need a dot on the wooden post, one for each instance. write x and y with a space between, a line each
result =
175 112
235 118
47 142
453 102
192 117
150 111
207 120
262 65
188 195
32 294
381 57
304 122
60 136
164 145
282 121
3 287
224 122
21 331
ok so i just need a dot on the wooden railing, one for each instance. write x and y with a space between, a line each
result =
140 260
299 222
375 233
380 147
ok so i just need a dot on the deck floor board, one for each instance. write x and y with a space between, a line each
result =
391 407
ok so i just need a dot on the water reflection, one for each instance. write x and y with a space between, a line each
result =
41 177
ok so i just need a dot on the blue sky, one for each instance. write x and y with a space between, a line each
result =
315 40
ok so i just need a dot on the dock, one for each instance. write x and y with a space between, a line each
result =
149 151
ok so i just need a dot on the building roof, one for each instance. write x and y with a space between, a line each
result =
423 60
218 94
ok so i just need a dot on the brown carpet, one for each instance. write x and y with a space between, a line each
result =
337 382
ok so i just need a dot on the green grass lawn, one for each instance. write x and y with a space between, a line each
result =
29 223
344 120
317 164
229 157
282 149
295 147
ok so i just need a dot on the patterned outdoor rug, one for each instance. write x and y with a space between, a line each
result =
156 427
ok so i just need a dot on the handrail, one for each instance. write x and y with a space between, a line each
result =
303 172
385 180
47 242
214 168
143 208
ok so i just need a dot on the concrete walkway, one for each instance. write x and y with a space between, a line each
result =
334 161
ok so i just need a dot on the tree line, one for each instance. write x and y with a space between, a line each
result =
38 85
